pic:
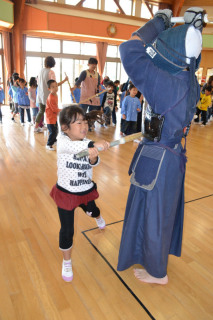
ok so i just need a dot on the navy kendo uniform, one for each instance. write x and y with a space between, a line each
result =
154 214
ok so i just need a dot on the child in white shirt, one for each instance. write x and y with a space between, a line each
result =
75 187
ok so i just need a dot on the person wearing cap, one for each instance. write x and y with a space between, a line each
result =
161 62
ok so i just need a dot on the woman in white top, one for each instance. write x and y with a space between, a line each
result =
42 93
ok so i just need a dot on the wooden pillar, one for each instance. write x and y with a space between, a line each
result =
17 36
138 4
102 4
164 6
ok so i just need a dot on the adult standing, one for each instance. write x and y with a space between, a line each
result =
161 62
42 91
90 85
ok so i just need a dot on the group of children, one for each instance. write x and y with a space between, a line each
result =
1 100
22 99
204 106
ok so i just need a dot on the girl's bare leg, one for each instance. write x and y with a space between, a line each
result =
67 254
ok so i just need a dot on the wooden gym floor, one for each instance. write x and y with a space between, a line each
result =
31 286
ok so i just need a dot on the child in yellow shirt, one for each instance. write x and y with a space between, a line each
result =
205 103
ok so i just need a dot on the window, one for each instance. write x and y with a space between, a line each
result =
124 76
33 66
33 44
199 74
111 70
145 12
83 65
112 51
71 47
111 6
118 71
126 5
72 65
67 66
88 49
50 45
72 2
209 73
1 73
154 9
92 4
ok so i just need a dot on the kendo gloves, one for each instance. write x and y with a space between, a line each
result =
166 15
160 22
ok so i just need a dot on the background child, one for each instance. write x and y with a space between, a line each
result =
130 107
13 94
76 93
51 113
109 102
202 107
75 187
123 93
10 94
1 101
117 85
32 97
23 101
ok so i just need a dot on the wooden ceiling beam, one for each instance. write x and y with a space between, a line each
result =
148 7
177 6
79 4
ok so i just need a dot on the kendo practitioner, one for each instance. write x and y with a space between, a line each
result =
161 61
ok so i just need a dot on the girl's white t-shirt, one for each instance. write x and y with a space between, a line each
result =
74 175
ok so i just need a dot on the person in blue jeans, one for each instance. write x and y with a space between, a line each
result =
23 101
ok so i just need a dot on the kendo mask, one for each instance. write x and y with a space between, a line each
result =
175 49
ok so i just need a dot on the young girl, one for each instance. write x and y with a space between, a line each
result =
32 97
13 94
1 100
75 187
23 101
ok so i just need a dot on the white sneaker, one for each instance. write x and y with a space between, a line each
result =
100 223
67 273
38 130
29 123
50 148
22 124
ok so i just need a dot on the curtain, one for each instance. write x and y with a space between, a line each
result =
101 48
23 56
7 52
